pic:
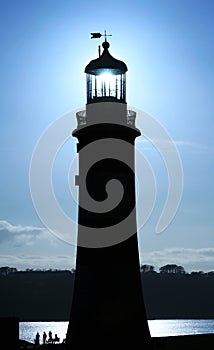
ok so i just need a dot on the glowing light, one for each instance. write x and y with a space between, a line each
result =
108 78
106 83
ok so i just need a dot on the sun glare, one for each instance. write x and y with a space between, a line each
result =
108 78
106 83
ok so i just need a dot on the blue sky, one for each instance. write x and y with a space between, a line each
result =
169 50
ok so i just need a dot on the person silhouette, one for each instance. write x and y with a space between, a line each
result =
56 339
37 338
44 337
50 336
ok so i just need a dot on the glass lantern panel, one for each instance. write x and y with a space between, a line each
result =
105 85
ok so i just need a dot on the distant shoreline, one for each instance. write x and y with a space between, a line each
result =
30 297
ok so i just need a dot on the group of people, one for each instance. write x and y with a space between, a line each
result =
45 340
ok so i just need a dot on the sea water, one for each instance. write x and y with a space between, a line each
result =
158 328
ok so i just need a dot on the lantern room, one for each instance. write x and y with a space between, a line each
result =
106 78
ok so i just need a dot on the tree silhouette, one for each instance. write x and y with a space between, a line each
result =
172 268
147 268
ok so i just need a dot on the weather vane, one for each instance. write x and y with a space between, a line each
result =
98 35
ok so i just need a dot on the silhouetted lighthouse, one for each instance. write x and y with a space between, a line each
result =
107 305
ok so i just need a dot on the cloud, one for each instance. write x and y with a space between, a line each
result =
190 258
20 235
45 256
5 225
33 247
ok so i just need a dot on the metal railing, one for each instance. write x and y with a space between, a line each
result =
131 116
82 118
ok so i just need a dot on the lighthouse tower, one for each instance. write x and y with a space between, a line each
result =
107 305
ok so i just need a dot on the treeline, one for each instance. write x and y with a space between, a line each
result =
46 295
166 269
6 270
173 269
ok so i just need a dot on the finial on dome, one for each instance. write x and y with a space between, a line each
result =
105 45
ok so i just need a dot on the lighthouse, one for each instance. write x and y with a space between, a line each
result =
107 305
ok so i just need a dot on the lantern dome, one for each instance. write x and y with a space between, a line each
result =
106 62
106 78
